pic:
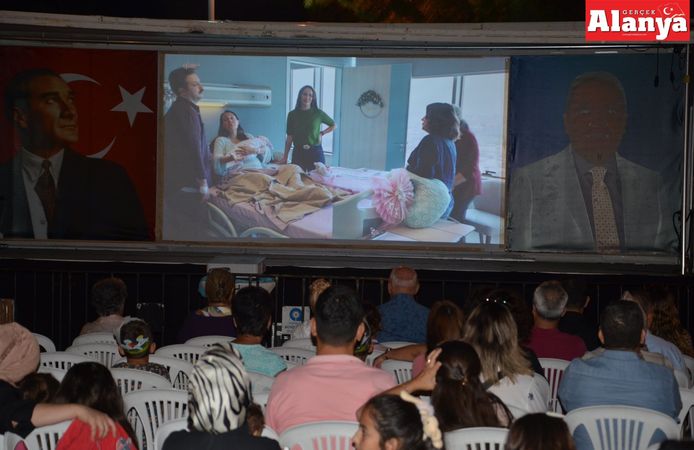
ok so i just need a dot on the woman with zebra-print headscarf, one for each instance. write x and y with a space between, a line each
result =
219 396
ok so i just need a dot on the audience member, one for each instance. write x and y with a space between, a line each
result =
507 373
255 419
389 422
549 305
459 398
520 311
135 342
445 323
539 432
19 357
403 318
666 322
619 376
219 395
215 318
333 384
91 384
39 387
108 299
252 308
574 320
654 343
372 325
316 288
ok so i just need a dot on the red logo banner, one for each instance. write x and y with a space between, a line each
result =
637 20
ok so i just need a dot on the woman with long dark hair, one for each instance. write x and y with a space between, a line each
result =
304 130
232 146
459 397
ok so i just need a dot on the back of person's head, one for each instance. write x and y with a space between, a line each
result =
577 290
641 297
177 78
255 419
372 325
39 387
621 324
338 315
134 337
219 391
445 323
316 289
19 352
219 286
397 422
515 303
252 310
403 280
458 397
491 330
442 120
91 384
539 432
550 300
108 296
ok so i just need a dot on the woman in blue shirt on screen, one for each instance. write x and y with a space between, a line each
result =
435 156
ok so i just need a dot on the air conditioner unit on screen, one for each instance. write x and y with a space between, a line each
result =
236 95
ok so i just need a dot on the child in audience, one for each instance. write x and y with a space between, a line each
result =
316 288
255 419
134 338
252 312
459 398
372 323
91 384
539 432
39 387
393 423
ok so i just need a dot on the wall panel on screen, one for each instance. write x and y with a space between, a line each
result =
347 148
595 145
78 159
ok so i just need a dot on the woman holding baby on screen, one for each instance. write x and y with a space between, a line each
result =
304 131
234 148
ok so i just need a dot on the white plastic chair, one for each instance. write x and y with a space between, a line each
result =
62 360
396 344
554 369
682 377
401 369
42 438
186 352
207 341
129 380
58 374
270 433
622 427
166 428
260 382
104 353
298 356
334 435
687 396
689 363
148 409
306 344
45 342
260 398
488 438
179 370
94 338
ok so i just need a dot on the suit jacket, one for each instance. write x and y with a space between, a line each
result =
547 209
95 199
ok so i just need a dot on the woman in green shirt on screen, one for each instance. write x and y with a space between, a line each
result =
303 130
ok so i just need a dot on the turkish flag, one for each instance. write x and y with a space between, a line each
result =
116 98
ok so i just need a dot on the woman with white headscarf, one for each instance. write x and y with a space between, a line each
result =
19 356
219 394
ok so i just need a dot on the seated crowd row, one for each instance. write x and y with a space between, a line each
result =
480 368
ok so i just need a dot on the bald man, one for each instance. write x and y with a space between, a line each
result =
402 318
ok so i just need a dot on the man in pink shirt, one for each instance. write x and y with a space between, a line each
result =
549 305
333 384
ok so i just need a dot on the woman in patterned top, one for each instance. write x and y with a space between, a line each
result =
135 342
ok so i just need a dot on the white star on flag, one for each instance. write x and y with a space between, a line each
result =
131 104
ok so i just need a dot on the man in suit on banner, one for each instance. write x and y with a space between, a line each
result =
587 196
49 191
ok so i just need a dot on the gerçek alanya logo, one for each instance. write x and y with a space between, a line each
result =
637 20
